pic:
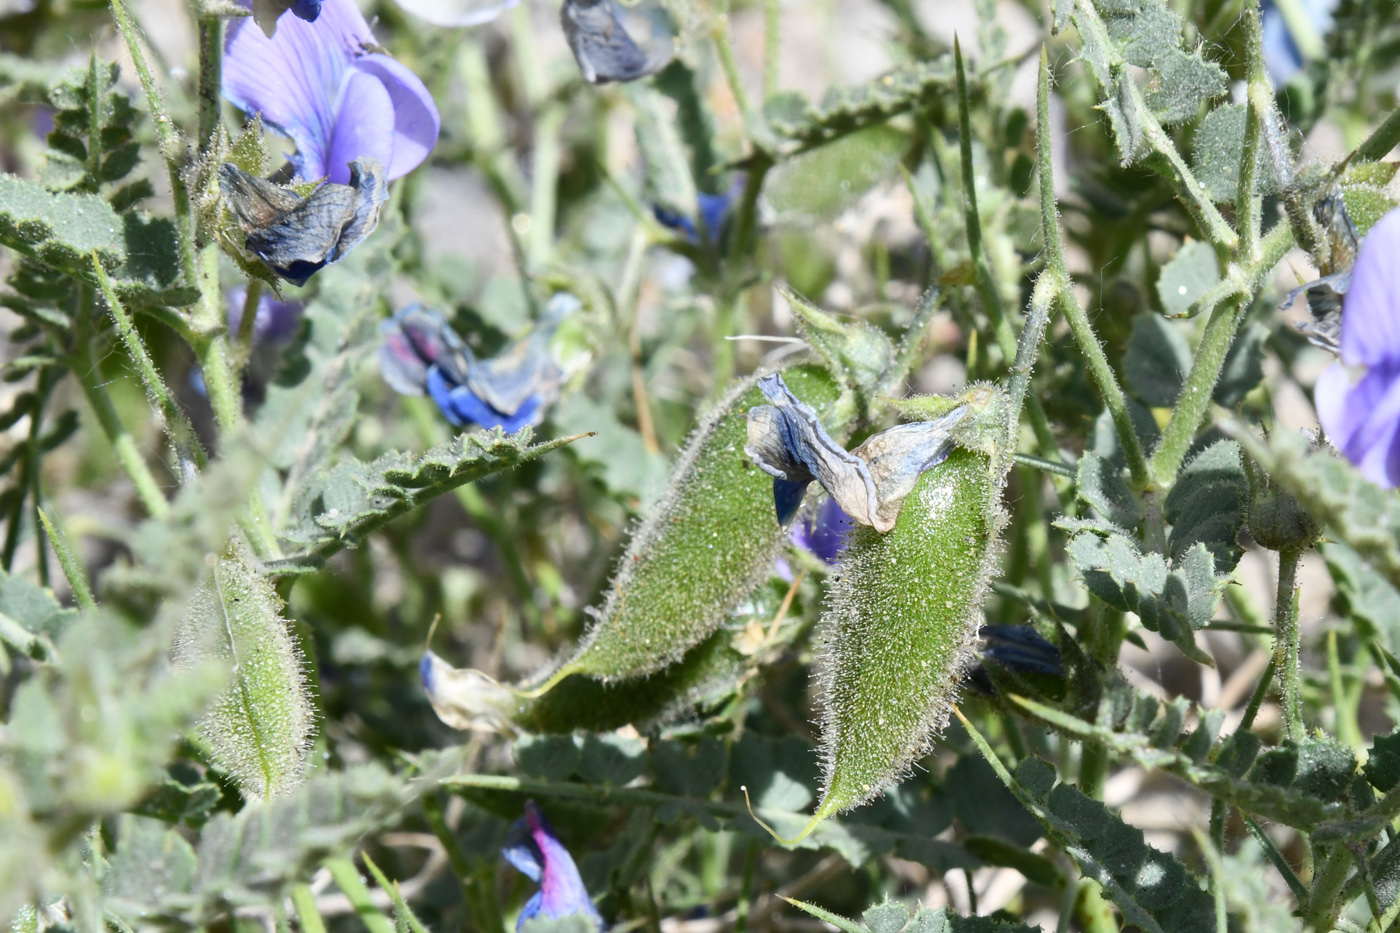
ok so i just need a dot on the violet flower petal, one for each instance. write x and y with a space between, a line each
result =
823 531
1363 420
364 125
562 893
308 82
416 120
1371 309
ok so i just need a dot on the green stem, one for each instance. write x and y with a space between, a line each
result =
1285 870
72 566
1079 324
741 921
1260 692
1261 101
1378 145
754 128
347 878
211 67
247 324
176 423
87 368
1348 731
544 183
1093 768
1325 904
772 48
304 903
1211 853
1287 643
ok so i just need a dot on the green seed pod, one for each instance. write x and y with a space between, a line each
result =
710 540
902 616
260 728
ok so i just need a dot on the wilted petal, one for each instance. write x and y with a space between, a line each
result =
267 12
414 339
527 370
823 532
457 12
1020 648
604 47
788 442
899 456
464 698
462 406
295 236
533 849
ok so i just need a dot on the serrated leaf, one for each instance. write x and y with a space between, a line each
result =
60 230
1182 84
1173 603
850 109
1383 763
1156 361
355 498
1187 276
1103 488
885 917
1207 506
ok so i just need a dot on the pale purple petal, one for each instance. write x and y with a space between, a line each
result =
364 126
294 79
1371 311
1330 400
416 121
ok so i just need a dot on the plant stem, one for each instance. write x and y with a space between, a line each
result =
248 322
772 47
1079 324
1324 904
211 67
1093 767
1378 145
304 903
1261 100
72 566
741 910
1348 731
86 367
1033 330
1287 643
347 878
1194 400
544 184
177 425
754 127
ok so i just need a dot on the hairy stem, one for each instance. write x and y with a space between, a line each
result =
1261 100
72 566
1287 642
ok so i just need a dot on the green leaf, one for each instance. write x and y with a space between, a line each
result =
1156 361
552 757
1244 366
340 508
177 802
885 917
1187 276
612 759
60 230
1173 603
848 110
821 182
1367 598
260 729
1218 150
1366 204
690 768
92 140
1207 506
668 171
1103 488
31 620
1383 763
152 865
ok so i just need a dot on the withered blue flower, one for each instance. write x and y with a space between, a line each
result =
296 236
328 86
788 442
714 211
823 531
1017 648
267 12
421 353
1358 398
538 855
604 46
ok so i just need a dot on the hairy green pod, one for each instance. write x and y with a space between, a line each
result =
260 728
710 540
898 631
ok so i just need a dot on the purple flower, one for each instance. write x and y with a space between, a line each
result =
421 353
714 210
539 856
824 530
324 85
1362 416
274 321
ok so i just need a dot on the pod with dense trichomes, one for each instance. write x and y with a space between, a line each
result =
900 625
706 545
259 728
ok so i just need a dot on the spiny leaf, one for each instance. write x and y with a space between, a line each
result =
845 110
340 508
1173 602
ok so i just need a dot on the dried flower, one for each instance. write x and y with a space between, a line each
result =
326 85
